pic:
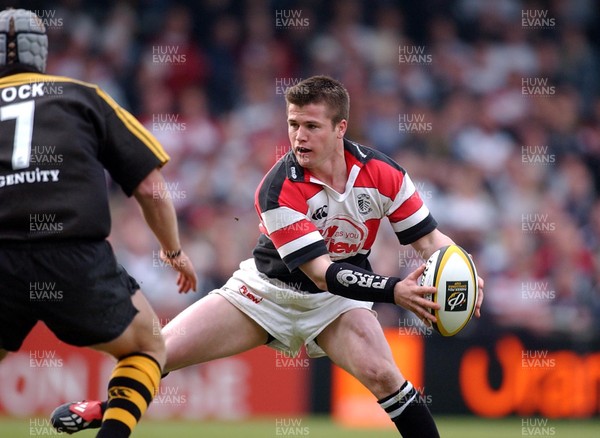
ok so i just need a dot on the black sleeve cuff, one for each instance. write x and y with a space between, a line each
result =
417 231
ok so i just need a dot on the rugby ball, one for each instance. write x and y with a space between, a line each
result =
452 272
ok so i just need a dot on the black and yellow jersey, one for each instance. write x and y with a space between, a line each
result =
57 137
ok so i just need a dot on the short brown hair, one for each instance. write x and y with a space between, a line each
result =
321 89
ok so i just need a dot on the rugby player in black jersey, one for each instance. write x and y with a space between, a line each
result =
54 220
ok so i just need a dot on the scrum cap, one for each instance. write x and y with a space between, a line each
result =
23 39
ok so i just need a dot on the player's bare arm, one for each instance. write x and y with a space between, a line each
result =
428 244
160 216
431 242
316 268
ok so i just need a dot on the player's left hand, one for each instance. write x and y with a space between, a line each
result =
186 279
409 294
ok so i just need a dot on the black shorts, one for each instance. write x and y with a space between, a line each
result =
77 289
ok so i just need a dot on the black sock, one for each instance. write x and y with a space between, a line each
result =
412 418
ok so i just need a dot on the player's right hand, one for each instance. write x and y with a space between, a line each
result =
186 279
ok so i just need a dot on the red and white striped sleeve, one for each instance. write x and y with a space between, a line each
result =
282 207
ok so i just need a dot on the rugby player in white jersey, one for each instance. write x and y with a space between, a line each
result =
309 281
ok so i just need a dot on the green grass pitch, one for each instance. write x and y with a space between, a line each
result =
318 427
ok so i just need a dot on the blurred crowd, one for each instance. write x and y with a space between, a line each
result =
493 107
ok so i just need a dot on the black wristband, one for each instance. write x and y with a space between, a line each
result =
359 284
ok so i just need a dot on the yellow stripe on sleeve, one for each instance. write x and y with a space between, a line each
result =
135 127
130 122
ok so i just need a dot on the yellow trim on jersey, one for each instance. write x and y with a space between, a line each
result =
135 127
25 78
130 122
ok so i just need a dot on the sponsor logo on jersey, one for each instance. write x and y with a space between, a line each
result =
456 296
29 177
364 203
344 237
320 213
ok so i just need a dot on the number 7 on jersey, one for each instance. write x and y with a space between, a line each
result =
22 112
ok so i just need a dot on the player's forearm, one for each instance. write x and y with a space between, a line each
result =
315 269
349 281
430 243
162 220
159 212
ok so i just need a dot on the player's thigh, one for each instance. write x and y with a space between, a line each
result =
141 335
18 302
355 341
209 329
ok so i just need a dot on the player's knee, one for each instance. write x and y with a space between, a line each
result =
152 344
380 377
158 350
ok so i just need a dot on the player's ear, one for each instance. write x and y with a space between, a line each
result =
341 128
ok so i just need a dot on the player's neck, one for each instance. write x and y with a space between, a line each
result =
333 172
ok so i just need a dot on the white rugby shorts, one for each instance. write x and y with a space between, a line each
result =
291 316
